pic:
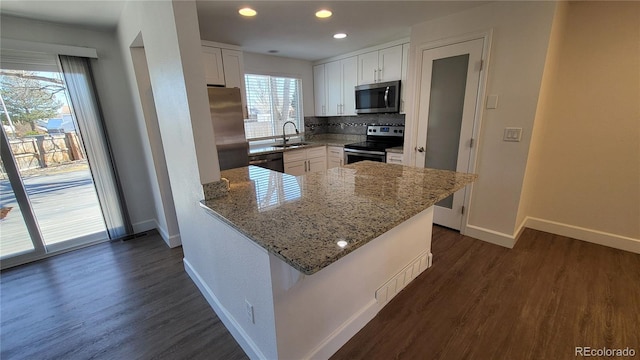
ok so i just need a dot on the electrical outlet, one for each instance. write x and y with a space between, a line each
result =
249 310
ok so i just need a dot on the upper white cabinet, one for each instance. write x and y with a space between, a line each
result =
379 66
320 90
349 69
334 84
213 69
225 67
233 65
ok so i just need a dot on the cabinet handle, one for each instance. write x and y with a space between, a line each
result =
379 75
323 110
338 109
375 75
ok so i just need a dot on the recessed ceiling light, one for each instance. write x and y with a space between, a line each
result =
247 11
323 13
339 36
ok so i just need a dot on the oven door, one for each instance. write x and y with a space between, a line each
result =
352 155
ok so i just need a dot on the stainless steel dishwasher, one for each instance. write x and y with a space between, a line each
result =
272 161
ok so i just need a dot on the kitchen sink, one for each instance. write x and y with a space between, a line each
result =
291 145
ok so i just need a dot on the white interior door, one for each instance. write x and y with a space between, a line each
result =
448 94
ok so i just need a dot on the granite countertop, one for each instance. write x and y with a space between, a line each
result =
301 219
396 150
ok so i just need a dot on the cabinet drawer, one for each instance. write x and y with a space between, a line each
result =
393 158
315 152
335 152
294 155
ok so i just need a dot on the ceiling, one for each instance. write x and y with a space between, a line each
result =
287 27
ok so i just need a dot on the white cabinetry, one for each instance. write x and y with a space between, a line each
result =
320 90
213 68
233 65
394 158
334 84
225 67
304 161
335 156
379 66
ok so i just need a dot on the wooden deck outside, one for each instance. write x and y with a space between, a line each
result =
65 205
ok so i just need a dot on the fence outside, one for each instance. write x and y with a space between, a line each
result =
41 151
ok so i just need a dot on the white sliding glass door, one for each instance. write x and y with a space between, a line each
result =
48 198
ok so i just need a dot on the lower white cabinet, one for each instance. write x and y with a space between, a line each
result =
304 161
394 158
335 156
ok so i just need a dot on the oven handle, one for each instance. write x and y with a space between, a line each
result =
369 152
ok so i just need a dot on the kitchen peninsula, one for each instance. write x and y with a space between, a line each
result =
340 244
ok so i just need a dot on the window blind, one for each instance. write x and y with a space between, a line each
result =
272 101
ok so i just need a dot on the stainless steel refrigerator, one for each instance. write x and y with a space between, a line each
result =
228 124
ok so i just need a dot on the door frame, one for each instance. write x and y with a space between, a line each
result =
413 108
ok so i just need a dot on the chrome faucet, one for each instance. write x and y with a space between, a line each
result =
284 136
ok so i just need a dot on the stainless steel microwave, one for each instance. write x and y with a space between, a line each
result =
378 98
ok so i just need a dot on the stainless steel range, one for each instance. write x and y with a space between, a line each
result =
379 139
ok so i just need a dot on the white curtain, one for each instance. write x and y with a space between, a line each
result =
79 81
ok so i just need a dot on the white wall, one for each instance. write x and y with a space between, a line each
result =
116 102
281 66
161 187
172 46
584 166
520 38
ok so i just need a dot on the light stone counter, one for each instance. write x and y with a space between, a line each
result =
301 219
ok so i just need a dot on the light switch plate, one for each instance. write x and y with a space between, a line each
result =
512 134
492 102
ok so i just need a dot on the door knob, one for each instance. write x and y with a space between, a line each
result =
421 149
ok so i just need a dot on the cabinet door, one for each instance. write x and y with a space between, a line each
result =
333 78
405 69
317 164
349 82
333 162
295 168
233 65
390 64
319 90
368 68
213 69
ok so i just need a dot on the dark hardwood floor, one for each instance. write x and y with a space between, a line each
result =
537 301
133 300
121 300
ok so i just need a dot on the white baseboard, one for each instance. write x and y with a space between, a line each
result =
491 236
245 342
171 240
143 226
589 235
346 331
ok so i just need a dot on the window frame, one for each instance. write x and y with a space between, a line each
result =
299 100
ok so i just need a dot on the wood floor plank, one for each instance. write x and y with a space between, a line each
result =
122 300
133 299
537 301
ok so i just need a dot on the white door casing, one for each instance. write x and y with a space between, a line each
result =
450 216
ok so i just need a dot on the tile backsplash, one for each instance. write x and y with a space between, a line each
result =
351 125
